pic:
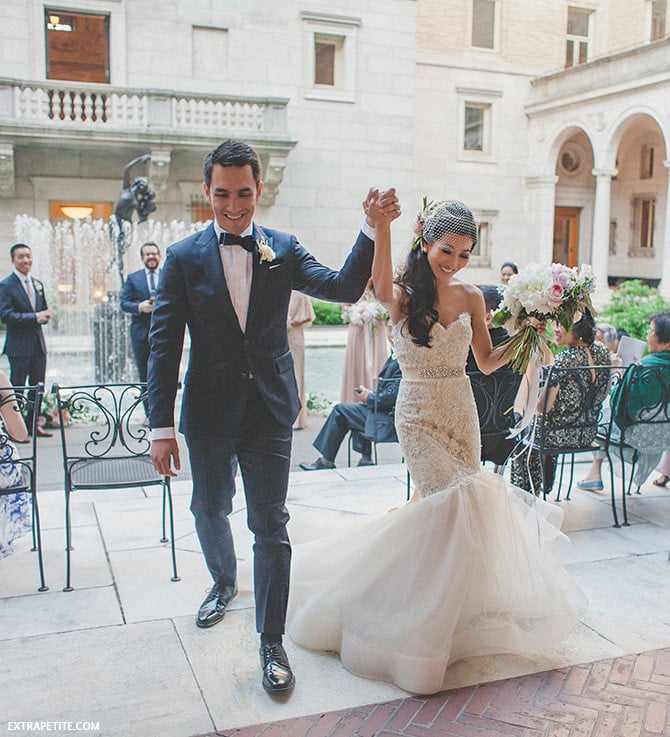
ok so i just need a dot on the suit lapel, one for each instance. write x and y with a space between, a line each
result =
23 293
259 277
211 260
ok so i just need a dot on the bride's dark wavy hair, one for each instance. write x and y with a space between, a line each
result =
416 278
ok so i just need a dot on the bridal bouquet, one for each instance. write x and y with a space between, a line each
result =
364 312
539 293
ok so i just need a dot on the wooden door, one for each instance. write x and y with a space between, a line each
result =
566 236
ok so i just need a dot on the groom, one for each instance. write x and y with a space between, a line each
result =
231 284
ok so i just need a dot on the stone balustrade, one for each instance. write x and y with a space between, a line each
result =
60 105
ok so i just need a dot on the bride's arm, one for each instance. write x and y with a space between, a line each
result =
382 264
488 358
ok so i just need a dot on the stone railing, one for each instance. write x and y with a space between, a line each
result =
99 107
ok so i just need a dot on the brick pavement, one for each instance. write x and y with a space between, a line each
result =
619 697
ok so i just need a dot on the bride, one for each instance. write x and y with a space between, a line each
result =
468 569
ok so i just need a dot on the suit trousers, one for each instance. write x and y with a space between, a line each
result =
262 448
32 368
141 351
344 417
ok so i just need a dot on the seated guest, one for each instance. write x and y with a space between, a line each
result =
582 350
658 344
360 418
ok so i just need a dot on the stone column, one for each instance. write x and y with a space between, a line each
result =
541 198
600 244
664 287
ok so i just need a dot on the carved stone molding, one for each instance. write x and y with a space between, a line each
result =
159 170
7 182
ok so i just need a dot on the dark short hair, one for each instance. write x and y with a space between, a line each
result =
16 247
232 153
492 296
585 328
149 243
510 265
661 325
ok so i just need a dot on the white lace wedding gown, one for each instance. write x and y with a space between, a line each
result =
465 571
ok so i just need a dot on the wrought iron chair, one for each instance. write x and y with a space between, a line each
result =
639 423
15 398
494 396
575 428
105 445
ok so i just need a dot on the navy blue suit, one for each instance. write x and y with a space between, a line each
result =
136 290
240 397
24 342
361 419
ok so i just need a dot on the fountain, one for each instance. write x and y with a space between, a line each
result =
82 267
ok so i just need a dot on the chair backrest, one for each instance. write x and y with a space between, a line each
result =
641 407
574 420
103 420
494 396
17 467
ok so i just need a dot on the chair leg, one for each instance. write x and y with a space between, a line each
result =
623 488
175 576
572 476
68 542
612 494
164 537
37 542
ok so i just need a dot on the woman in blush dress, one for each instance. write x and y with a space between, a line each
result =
300 316
367 348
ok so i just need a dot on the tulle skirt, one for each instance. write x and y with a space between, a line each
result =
466 571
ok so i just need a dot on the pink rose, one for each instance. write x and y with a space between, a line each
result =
555 296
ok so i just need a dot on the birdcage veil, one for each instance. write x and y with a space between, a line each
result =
447 216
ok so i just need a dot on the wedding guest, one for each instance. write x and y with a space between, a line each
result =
367 348
507 271
582 350
24 310
664 470
300 316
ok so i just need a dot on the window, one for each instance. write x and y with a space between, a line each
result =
481 253
577 42
476 127
77 46
646 161
644 211
209 52
658 11
483 23
328 52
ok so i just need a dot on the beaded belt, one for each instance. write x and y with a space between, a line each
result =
435 372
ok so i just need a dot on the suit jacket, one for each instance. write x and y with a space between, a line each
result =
380 425
192 292
136 290
24 334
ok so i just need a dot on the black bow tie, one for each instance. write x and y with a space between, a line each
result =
248 242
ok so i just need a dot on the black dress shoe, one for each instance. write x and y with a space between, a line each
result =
214 606
366 461
277 673
319 464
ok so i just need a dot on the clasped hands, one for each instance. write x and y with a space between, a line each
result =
380 206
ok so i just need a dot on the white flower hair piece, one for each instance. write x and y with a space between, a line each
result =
265 253
426 204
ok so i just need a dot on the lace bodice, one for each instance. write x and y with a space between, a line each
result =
449 346
436 416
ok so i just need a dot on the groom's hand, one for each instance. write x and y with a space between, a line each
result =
163 452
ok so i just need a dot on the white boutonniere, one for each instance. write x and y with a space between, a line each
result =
265 253
38 286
